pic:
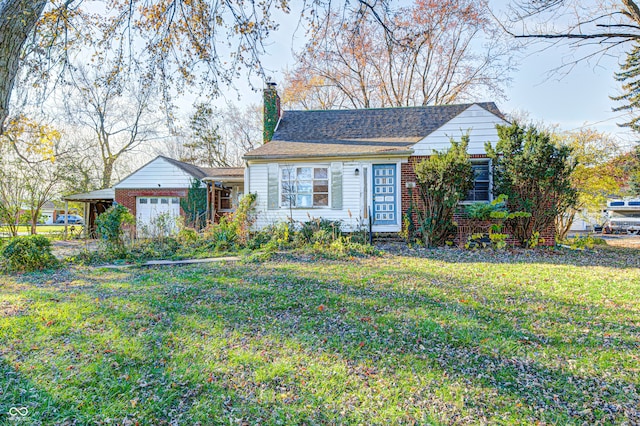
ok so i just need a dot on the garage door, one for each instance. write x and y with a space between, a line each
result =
156 216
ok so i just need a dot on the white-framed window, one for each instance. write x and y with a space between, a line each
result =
304 187
481 190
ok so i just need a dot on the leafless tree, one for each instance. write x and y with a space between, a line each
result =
427 53
595 26
118 112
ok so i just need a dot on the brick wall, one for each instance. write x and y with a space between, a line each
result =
465 227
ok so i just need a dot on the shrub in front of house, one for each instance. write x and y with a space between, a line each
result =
488 222
28 253
110 227
535 174
443 180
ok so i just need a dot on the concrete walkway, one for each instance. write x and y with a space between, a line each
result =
173 262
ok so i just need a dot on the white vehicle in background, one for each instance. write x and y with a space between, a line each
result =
623 216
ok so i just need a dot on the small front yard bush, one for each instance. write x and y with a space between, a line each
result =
28 253
582 242
487 222
110 227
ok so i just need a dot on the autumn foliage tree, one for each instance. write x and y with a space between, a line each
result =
29 174
431 52
594 177
183 44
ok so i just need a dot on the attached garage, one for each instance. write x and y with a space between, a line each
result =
156 215
153 193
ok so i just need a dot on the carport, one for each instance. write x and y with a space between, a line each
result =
95 203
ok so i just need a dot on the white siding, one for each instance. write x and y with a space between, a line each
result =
479 123
158 173
353 196
257 175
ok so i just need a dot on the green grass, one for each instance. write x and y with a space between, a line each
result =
452 337
51 230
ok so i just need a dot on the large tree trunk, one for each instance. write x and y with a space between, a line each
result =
107 171
17 19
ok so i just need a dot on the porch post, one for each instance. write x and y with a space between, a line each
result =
66 219
206 211
87 205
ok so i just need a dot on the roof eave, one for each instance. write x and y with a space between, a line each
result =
230 179
403 153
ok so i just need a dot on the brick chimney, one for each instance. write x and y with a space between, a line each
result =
271 111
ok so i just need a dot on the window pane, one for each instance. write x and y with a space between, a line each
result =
481 171
482 195
321 186
304 173
303 200
143 201
175 201
320 200
481 186
304 187
287 174
153 200
320 173
164 201
288 198
481 178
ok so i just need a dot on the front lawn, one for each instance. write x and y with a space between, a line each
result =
453 338
49 230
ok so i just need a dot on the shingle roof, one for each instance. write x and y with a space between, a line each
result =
203 172
222 172
195 171
360 131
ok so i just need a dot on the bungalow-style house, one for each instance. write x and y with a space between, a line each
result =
156 188
357 166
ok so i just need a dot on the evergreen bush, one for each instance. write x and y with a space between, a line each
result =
534 173
443 180
28 253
